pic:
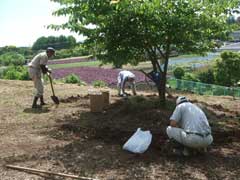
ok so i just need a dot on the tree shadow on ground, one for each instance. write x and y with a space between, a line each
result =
93 156
96 141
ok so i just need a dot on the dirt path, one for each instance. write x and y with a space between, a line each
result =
70 139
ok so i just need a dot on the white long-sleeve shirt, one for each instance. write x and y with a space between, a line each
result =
39 59
123 78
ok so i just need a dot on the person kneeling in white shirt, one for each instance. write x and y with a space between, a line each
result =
189 126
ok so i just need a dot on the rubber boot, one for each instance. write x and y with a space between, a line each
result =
34 105
42 103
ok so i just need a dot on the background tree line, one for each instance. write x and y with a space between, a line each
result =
61 42
13 59
65 46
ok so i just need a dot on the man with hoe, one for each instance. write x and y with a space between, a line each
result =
36 67
189 127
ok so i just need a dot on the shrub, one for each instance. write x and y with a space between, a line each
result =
12 58
227 69
72 79
82 83
190 77
16 73
12 75
2 69
189 83
206 76
24 74
74 52
64 53
80 50
178 73
99 83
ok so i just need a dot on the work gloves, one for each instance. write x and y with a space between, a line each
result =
45 69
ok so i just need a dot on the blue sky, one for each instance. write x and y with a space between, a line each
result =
22 22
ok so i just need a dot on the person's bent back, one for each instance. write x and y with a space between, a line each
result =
123 78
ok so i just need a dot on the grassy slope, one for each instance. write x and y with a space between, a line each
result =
77 64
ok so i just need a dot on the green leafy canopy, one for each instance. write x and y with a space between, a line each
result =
131 31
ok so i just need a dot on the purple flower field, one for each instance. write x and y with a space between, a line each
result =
90 74
69 60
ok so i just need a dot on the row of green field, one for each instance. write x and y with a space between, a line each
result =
98 63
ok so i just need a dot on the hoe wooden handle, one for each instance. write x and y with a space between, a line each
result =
48 172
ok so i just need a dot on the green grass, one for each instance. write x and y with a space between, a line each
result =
64 59
78 64
143 65
185 56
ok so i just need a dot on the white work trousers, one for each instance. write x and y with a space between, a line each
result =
35 75
121 88
189 140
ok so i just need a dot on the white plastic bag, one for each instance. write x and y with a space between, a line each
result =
138 142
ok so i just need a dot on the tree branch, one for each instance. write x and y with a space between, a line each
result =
156 61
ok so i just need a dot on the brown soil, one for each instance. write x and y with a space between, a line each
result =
70 139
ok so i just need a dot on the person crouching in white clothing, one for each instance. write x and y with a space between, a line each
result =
124 77
189 126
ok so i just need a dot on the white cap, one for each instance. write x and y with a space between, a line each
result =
181 99
131 76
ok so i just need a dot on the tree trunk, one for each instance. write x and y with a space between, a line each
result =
163 73
162 89
162 86
154 64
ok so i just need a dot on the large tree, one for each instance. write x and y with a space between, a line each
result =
130 31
